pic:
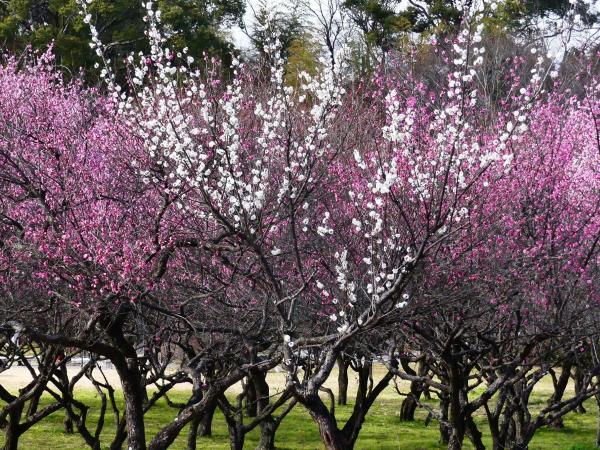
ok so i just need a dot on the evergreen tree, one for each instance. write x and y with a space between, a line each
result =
187 23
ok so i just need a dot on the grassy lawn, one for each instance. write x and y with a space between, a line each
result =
382 431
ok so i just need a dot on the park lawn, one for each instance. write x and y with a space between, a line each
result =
382 430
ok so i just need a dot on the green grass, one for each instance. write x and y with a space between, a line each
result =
382 430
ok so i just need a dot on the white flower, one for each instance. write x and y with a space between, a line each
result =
342 328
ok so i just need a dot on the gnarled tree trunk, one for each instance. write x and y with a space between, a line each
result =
134 405
342 363
205 425
12 430
410 403
331 436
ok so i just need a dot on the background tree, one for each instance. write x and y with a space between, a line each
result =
278 26
194 24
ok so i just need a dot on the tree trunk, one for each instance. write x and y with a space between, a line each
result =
598 422
456 439
460 417
251 406
331 436
409 404
457 434
511 433
126 364
267 434
342 380
365 395
559 390
193 433
457 402
236 438
522 431
474 434
499 420
68 425
444 429
498 443
205 426
408 408
268 426
34 403
235 426
12 432
168 433
134 405
578 378
11 439
63 376
426 393
120 436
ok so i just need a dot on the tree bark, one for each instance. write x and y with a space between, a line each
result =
409 404
64 379
331 436
234 420
474 434
205 426
12 432
251 406
408 408
559 390
578 378
134 404
457 435
236 437
444 429
342 364
598 421
168 433
120 436
365 396
268 427
193 433
457 419
125 359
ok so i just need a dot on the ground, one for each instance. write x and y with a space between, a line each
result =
382 430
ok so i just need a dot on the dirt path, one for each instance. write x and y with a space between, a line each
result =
18 376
